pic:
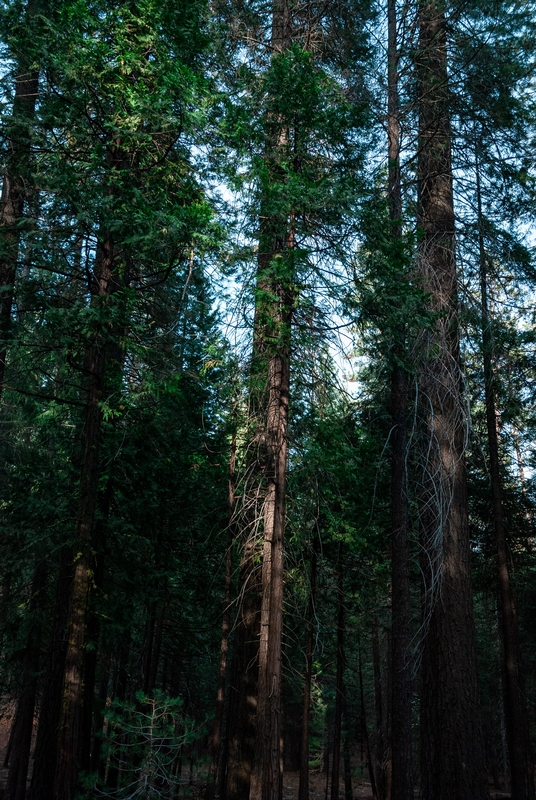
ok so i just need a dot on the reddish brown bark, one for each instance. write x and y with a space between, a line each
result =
71 727
271 369
452 756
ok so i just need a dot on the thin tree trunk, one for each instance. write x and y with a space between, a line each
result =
303 789
381 760
348 793
400 694
217 763
46 744
93 630
370 765
112 778
21 738
452 758
339 689
515 706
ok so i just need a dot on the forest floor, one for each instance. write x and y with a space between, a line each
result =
361 788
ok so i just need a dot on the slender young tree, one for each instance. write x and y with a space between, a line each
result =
303 789
452 753
401 717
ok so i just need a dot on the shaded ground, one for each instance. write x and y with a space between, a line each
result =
361 787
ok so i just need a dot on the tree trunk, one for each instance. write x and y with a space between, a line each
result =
71 723
15 186
400 695
303 790
271 380
515 706
216 744
93 630
244 679
381 755
364 729
452 758
21 737
401 716
46 743
339 688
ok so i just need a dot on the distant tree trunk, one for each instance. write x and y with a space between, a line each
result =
452 758
97 764
381 744
15 187
21 737
71 723
217 761
339 686
112 778
400 695
303 790
93 630
364 728
515 705
154 647
46 744
348 793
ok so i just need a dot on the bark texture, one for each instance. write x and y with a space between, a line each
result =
216 744
16 185
339 685
303 789
271 377
21 735
71 730
452 756
46 743
243 680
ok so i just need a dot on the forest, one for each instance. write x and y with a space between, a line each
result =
267 399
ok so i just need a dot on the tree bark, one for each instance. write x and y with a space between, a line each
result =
244 679
21 737
365 735
15 186
381 754
216 743
71 723
339 686
452 757
515 706
271 374
303 789
400 695
46 743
